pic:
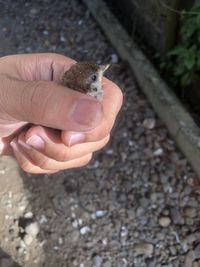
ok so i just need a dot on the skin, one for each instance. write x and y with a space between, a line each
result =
70 125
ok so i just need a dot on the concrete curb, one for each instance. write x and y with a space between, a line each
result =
178 121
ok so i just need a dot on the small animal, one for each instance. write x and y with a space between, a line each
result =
86 77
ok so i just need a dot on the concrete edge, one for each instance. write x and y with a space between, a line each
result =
178 121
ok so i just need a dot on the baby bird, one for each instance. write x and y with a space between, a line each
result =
86 77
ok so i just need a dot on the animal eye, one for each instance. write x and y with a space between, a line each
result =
94 77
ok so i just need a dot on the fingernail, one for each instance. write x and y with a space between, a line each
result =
87 112
36 142
76 138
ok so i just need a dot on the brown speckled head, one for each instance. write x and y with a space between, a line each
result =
85 77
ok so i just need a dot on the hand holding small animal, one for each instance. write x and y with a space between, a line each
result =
46 126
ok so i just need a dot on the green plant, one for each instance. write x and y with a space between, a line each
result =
183 61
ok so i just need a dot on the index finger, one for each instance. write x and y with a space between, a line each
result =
39 66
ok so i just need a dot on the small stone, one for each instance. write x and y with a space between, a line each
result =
145 249
107 264
97 261
158 152
45 32
28 215
84 230
62 39
164 221
197 252
114 58
43 219
189 259
22 245
124 231
100 213
60 240
149 123
191 212
28 239
33 11
75 223
32 229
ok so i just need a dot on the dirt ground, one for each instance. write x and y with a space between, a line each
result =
136 204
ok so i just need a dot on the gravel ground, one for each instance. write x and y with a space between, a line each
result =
136 204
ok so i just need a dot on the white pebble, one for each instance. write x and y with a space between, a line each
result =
75 223
45 32
84 230
62 38
32 229
60 240
158 152
114 58
164 221
28 239
43 219
22 244
100 213
124 231
105 241
28 215
80 221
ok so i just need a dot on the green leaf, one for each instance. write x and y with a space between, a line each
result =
198 20
189 58
179 50
186 79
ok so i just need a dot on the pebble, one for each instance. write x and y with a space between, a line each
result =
32 229
164 221
100 213
43 219
197 252
191 212
107 264
158 152
149 123
97 261
84 230
145 249
114 58
28 215
28 239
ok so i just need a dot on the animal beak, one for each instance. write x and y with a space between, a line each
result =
103 68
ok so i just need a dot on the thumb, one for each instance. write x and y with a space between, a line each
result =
49 104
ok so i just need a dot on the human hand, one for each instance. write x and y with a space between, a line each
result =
46 126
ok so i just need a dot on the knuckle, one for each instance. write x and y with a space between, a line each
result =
43 163
63 155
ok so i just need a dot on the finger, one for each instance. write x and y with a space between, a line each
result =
112 103
24 162
40 66
48 142
44 165
49 104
